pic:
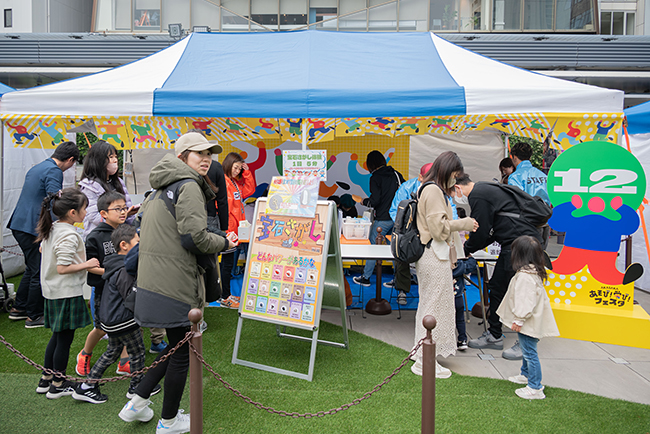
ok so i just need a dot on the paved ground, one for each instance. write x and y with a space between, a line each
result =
607 370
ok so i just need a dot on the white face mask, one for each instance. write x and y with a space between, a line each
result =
111 169
462 200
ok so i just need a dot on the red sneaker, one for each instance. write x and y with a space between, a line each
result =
124 369
83 364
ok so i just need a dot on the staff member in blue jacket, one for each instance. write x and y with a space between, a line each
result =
44 178
529 179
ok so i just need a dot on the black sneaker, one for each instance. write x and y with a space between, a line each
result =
65 389
32 324
361 280
15 314
461 345
131 393
43 386
93 395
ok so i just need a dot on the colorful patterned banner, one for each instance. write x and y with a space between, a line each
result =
346 127
263 128
411 126
291 129
168 130
382 126
320 130
114 131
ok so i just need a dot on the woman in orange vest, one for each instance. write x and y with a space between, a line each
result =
241 184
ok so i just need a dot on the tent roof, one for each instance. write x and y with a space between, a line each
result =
638 118
312 74
4 89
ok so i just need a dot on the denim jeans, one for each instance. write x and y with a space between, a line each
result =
386 229
29 296
530 367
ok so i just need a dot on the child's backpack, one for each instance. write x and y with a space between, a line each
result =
532 209
405 242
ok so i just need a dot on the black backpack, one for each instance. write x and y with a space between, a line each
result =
532 209
405 244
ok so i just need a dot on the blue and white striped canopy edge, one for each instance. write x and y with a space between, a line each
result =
314 74
4 89
638 118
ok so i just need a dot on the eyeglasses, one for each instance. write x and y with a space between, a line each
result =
119 210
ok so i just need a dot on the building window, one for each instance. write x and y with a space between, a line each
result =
617 23
9 18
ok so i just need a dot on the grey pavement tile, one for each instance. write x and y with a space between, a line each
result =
603 378
561 348
641 368
630 354
472 366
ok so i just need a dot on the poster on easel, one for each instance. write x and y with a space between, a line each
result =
292 262
285 269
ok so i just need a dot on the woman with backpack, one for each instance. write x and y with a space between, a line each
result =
439 232
172 233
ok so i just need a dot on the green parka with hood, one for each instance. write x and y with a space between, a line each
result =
170 282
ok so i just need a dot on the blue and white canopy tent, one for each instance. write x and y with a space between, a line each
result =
416 78
312 74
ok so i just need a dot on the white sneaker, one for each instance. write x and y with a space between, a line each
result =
528 393
130 414
518 379
181 425
416 368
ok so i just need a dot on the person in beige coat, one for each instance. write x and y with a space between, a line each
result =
526 309
439 232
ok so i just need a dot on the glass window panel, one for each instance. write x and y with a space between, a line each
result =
239 7
617 23
354 22
205 13
9 18
376 2
264 12
629 25
233 23
574 15
178 11
383 18
324 17
606 23
293 13
538 14
471 15
444 15
146 15
113 15
348 6
413 16
506 15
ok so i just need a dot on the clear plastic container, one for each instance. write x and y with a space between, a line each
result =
356 229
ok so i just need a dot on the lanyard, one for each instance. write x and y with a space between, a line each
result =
241 199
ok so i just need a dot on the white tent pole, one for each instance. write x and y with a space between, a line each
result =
304 134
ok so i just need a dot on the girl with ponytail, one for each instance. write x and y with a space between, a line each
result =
63 273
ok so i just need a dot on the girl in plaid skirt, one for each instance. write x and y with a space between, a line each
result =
63 272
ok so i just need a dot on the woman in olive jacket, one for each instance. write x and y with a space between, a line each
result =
170 283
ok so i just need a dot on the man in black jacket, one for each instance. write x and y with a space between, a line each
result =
488 201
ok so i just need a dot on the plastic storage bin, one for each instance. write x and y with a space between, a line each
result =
356 229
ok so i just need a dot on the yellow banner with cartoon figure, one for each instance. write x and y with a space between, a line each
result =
263 128
381 126
411 126
168 130
291 129
320 130
346 127
113 130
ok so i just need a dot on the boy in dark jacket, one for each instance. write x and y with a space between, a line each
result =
112 207
116 318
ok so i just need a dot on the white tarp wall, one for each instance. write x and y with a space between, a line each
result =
640 147
17 161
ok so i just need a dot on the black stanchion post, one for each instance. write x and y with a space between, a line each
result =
628 251
428 378
196 375
378 305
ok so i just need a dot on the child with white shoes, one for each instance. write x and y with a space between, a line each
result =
526 309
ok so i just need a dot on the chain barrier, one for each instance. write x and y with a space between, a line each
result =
218 377
4 249
295 415
48 371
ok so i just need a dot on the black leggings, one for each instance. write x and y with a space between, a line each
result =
174 370
57 352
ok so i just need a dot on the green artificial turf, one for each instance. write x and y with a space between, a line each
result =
463 404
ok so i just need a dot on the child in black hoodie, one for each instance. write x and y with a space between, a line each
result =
116 316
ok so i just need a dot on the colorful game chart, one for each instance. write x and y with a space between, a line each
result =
292 260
